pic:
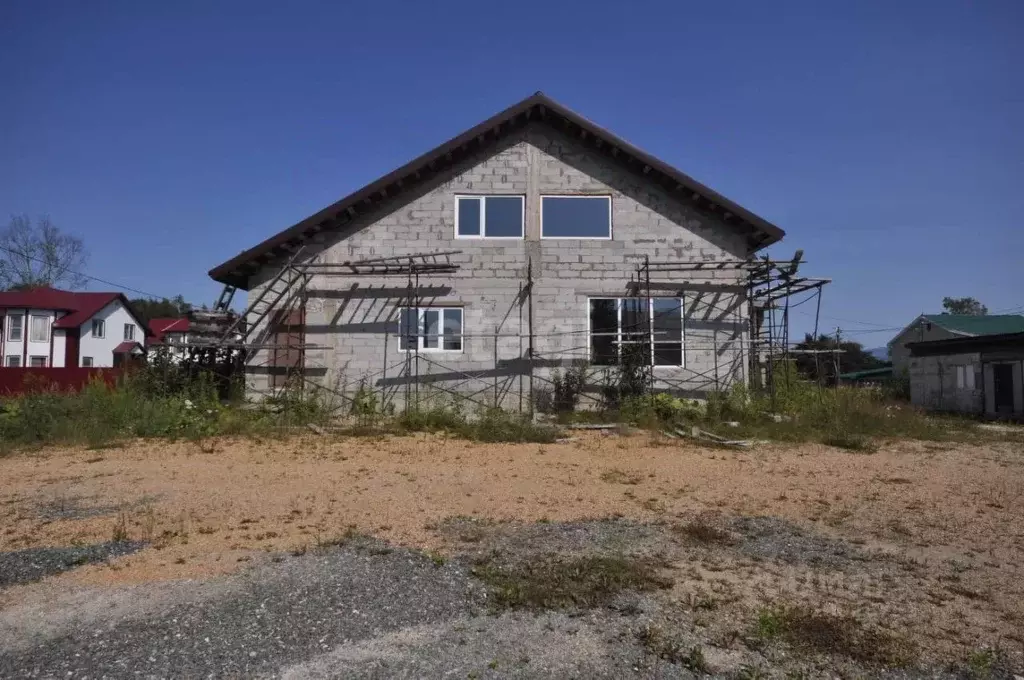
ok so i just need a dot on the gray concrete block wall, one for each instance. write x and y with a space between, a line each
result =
933 383
356 318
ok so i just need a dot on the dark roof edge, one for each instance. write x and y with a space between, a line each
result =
937 346
225 272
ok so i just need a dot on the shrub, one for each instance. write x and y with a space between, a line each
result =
566 388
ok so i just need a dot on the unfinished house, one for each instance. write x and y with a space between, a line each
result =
531 241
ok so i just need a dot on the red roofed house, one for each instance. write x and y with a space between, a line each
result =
168 331
60 328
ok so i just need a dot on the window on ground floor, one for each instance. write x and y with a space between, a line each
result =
965 377
431 329
37 361
86 362
13 361
651 328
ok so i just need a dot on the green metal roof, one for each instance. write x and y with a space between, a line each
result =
884 371
979 325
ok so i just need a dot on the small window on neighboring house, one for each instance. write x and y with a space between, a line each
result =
99 328
965 377
129 331
430 329
86 362
14 361
489 216
37 362
39 329
14 327
576 217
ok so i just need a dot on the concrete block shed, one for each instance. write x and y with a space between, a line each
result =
500 256
981 375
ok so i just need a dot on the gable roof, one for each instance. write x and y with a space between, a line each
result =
538 107
968 324
80 306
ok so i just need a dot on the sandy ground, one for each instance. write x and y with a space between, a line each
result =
952 514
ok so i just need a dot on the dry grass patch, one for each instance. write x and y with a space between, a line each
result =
812 631
701 533
617 476
557 583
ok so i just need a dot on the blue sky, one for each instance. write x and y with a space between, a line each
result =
886 138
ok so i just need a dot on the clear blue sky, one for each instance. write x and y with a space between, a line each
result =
886 138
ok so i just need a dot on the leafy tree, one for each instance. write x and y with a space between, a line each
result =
40 254
964 305
161 309
852 358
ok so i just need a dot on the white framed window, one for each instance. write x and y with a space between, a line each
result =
129 331
39 328
576 217
618 325
965 377
86 362
37 362
493 217
15 327
430 329
13 361
99 328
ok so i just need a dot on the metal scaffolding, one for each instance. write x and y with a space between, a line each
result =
757 295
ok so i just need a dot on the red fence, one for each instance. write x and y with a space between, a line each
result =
23 380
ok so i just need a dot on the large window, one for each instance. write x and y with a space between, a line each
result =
99 328
621 325
576 217
431 329
489 216
39 329
15 323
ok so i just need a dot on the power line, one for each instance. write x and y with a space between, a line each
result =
87 276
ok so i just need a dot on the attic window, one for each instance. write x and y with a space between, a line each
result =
577 217
489 216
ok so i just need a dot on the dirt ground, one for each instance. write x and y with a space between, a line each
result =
944 521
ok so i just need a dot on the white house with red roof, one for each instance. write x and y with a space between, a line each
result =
61 328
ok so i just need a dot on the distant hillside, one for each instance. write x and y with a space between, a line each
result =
881 353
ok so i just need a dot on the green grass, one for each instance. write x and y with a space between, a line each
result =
100 416
556 583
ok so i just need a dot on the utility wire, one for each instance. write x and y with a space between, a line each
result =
87 276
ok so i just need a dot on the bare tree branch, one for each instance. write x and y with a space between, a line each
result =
40 255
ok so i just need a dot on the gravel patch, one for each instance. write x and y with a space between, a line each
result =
777 539
25 566
551 645
275 615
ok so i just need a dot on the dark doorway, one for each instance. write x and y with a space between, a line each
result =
1002 387
286 355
